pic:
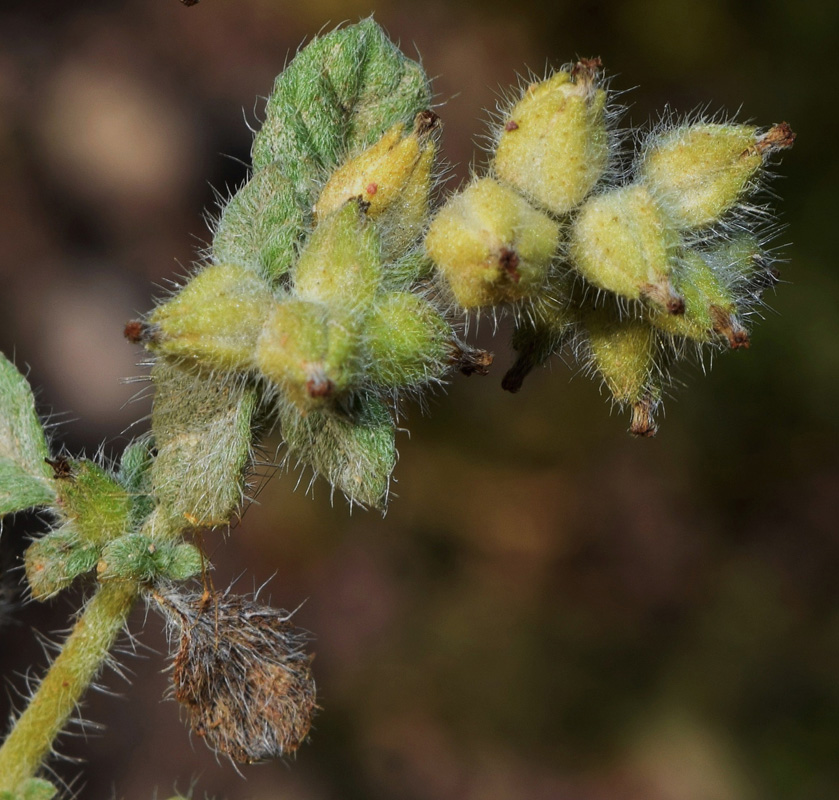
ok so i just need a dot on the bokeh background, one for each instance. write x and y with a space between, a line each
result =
550 609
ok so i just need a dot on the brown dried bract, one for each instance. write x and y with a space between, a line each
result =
242 674
778 137
60 468
470 360
426 122
726 324
585 70
642 422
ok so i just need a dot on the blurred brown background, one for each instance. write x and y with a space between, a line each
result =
550 610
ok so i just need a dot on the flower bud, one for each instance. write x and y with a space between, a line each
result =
491 245
354 448
554 146
408 342
214 320
699 172
392 178
710 309
340 266
623 353
620 242
310 354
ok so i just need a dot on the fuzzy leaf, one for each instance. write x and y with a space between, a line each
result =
202 429
31 789
24 475
339 95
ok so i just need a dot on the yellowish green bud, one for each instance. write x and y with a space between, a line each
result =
214 321
408 342
699 172
554 145
623 353
308 352
710 309
354 449
341 265
621 242
491 245
392 179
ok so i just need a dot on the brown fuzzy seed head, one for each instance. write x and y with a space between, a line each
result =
242 674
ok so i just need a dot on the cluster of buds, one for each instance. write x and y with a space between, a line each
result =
625 264
316 288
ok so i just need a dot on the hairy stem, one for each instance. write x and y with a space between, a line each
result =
81 658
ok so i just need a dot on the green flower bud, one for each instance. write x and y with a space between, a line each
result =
214 320
623 353
98 507
355 450
392 178
52 562
310 354
621 242
699 172
710 309
262 225
341 266
408 342
136 557
491 245
554 146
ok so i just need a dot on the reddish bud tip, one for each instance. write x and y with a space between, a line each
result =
512 125
139 332
319 386
509 260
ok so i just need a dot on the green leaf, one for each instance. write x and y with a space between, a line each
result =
19 490
25 477
339 95
202 430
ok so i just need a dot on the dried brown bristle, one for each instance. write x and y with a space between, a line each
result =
470 360
242 674
60 467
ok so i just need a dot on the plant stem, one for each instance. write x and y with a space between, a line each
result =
81 658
